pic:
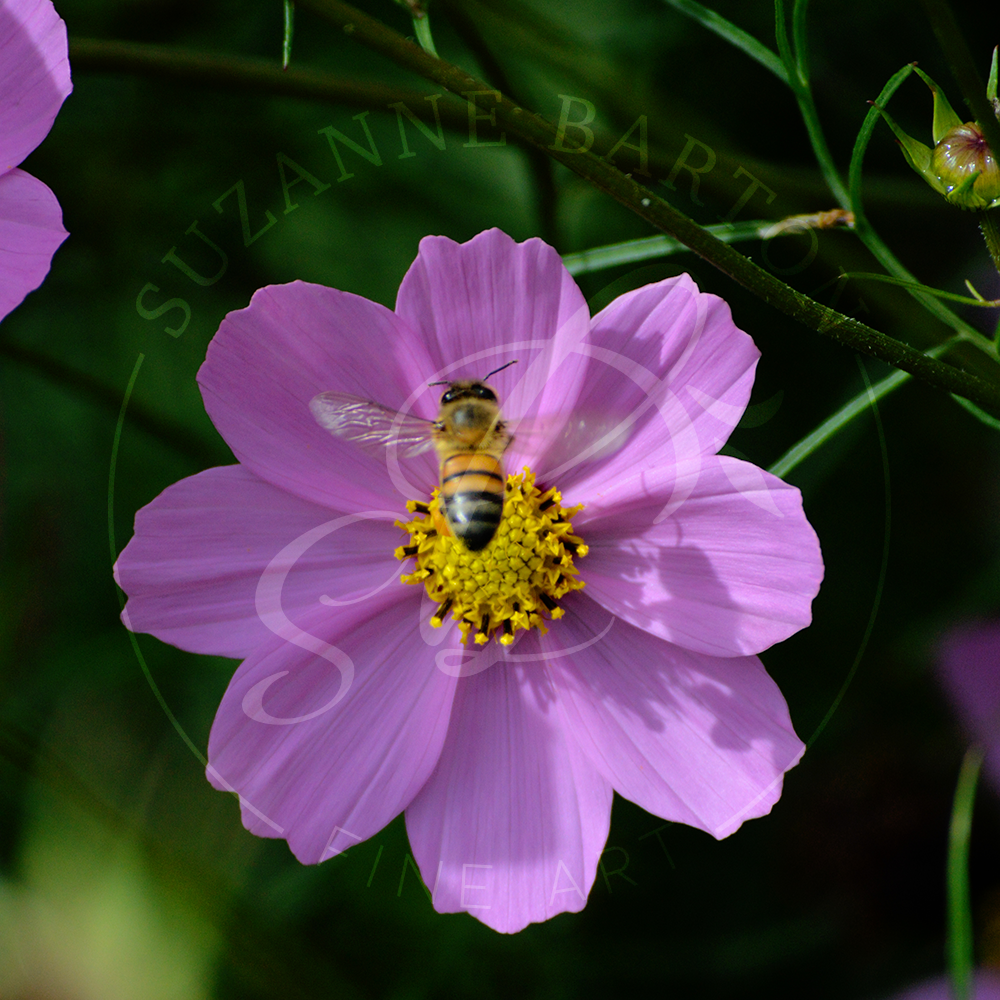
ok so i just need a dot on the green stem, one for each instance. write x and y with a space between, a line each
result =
243 74
960 937
649 247
797 67
991 233
536 131
810 116
881 252
799 43
286 42
833 424
728 31
870 400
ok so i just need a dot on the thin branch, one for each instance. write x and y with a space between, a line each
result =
238 73
533 129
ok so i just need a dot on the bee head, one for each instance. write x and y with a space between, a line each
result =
467 390
473 389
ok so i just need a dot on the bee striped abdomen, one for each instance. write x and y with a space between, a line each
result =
472 492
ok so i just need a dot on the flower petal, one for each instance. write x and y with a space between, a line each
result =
480 304
969 668
714 555
34 75
291 343
328 734
216 556
695 739
31 230
511 824
985 985
669 379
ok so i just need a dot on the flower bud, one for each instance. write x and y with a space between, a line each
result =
961 167
967 169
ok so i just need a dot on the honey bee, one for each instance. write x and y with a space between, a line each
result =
469 435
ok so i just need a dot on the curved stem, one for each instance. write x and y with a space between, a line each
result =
960 938
536 131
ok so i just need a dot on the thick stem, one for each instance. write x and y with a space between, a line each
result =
536 131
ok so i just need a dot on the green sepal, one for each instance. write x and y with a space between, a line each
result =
957 195
991 85
917 155
945 118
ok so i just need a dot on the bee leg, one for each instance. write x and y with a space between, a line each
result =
440 523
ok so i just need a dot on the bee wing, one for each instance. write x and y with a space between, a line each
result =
584 437
371 425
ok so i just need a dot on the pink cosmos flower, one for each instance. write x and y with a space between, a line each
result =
34 81
985 985
969 668
350 707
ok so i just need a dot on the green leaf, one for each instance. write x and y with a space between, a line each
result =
735 36
916 286
979 414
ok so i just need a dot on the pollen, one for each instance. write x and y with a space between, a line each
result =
515 582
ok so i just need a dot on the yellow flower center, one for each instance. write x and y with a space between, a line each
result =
512 583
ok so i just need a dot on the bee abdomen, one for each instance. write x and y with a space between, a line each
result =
474 516
472 495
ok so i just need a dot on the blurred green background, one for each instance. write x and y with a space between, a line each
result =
122 873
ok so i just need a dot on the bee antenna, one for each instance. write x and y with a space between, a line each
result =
439 383
500 369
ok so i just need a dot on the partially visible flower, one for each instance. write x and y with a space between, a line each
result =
359 697
969 668
961 166
985 985
34 81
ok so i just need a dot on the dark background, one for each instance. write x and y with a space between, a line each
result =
122 873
